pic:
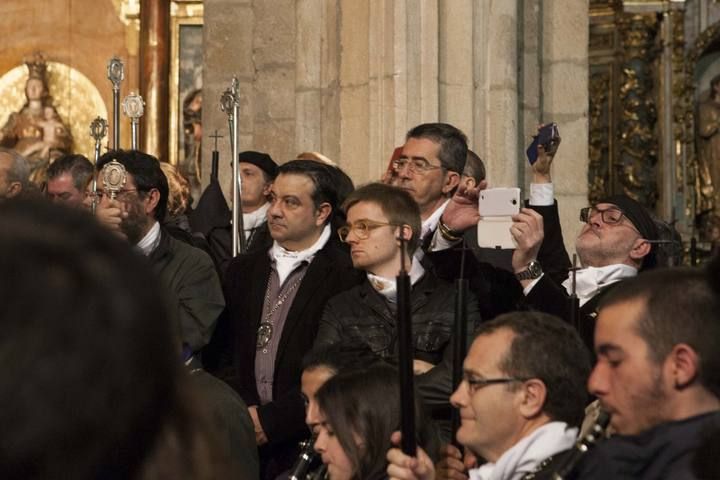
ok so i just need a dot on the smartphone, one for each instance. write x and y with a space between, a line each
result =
547 137
499 202
496 206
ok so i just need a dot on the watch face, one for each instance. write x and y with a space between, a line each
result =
534 269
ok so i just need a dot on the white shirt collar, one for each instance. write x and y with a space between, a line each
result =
150 241
524 457
286 261
431 223
590 280
255 218
387 287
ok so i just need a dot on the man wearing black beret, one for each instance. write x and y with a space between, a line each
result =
618 240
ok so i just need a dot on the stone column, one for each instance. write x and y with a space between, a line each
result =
496 91
154 74
565 101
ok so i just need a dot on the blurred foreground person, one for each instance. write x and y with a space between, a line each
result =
94 387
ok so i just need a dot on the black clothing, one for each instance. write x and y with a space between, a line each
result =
665 451
233 347
497 289
232 421
362 316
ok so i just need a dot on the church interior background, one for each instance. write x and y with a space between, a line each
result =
627 82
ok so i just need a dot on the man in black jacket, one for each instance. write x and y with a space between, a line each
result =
135 213
377 216
657 341
274 301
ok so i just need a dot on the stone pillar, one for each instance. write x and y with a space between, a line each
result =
228 52
565 101
496 105
154 74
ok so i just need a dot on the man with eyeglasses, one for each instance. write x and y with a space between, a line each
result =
429 168
521 400
377 216
615 243
136 213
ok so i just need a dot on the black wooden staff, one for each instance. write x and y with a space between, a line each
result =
459 340
406 354
574 300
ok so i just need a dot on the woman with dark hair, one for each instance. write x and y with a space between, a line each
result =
359 411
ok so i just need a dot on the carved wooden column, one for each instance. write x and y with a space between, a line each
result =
154 74
636 166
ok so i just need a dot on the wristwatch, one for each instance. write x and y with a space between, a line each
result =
531 272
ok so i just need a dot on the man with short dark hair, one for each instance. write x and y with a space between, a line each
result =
521 399
657 341
212 217
429 168
68 177
377 216
14 174
275 299
187 273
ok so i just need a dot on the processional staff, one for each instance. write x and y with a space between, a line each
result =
405 354
459 339
98 130
230 104
116 74
133 107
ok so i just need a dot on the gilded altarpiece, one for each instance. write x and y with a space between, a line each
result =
641 138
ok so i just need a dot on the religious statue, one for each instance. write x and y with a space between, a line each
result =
36 131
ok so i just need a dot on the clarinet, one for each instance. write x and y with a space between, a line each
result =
305 461
581 447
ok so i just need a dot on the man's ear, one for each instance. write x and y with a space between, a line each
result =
323 212
452 180
152 198
641 248
467 182
683 363
533 394
266 189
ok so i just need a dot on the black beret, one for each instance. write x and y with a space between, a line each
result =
261 160
641 219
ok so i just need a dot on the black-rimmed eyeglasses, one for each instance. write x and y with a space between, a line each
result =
475 384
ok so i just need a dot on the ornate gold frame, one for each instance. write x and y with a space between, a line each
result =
182 12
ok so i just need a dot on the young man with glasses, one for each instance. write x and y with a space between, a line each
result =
136 213
521 400
378 216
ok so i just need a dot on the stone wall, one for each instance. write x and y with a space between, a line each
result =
348 78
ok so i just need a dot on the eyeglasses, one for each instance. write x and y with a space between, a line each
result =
361 228
100 193
611 216
415 165
475 384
